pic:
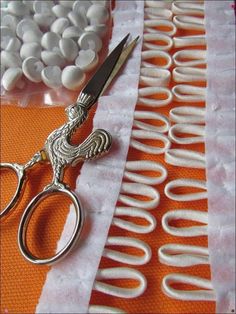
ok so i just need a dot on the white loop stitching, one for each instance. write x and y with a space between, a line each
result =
151 26
181 128
189 93
149 54
189 41
187 114
188 8
157 13
189 57
167 40
185 158
154 77
149 91
146 115
189 74
189 22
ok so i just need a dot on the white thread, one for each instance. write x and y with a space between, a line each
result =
157 13
143 134
148 38
137 213
188 41
180 255
151 91
198 184
152 25
189 57
189 22
189 93
189 8
158 4
146 166
150 54
184 128
185 214
139 189
131 259
154 77
102 309
188 295
185 158
189 74
146 115
118 273
187 114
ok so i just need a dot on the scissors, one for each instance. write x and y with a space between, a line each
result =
61 153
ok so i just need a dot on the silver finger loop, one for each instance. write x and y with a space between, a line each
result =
22 232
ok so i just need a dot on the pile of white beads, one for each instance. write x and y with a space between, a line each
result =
56 42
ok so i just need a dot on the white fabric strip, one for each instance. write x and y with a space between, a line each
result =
220 149
69 284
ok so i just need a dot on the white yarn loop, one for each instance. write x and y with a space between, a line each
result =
188 295
131 259
120 273
151 91
144 165
102 309
183 128
139 189
166 41
189 41
181 255
185 158
187 114
159 26
150 221
159 55
189 93
158 4
189 74
198 184
154 77
188 8
157 13
150 115
185 214
189 22
143 134
188 57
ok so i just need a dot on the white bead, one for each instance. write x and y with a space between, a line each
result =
10 59
60 11
99 29
10 21
67 3
33 35
51 76
78 19
52 58
72 32
11 77
30 49
43 20
72 77
32 68
97 14
43 7
14 44
50 40
68 48
24 26
90 40
18 8
87 60
6 35
81 6
59 25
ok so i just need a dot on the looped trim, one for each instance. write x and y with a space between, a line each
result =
148 38
185 158
139 189
149 91
188 295
120 273
189 57
130 259
189 93
154 77
182 128
187 114
137 213
189 74
143 134
198 184
157 13
150 115
158 4
181 255
189 22
151 26
189 41
185 214
150 54
188 8
145 165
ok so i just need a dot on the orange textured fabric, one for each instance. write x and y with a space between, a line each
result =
23 132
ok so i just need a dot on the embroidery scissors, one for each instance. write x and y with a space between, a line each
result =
61 153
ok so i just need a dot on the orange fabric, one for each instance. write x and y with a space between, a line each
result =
23 132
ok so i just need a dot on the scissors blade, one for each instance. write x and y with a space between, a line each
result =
97 82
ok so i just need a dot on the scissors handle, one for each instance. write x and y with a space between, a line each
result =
21 178
22 232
